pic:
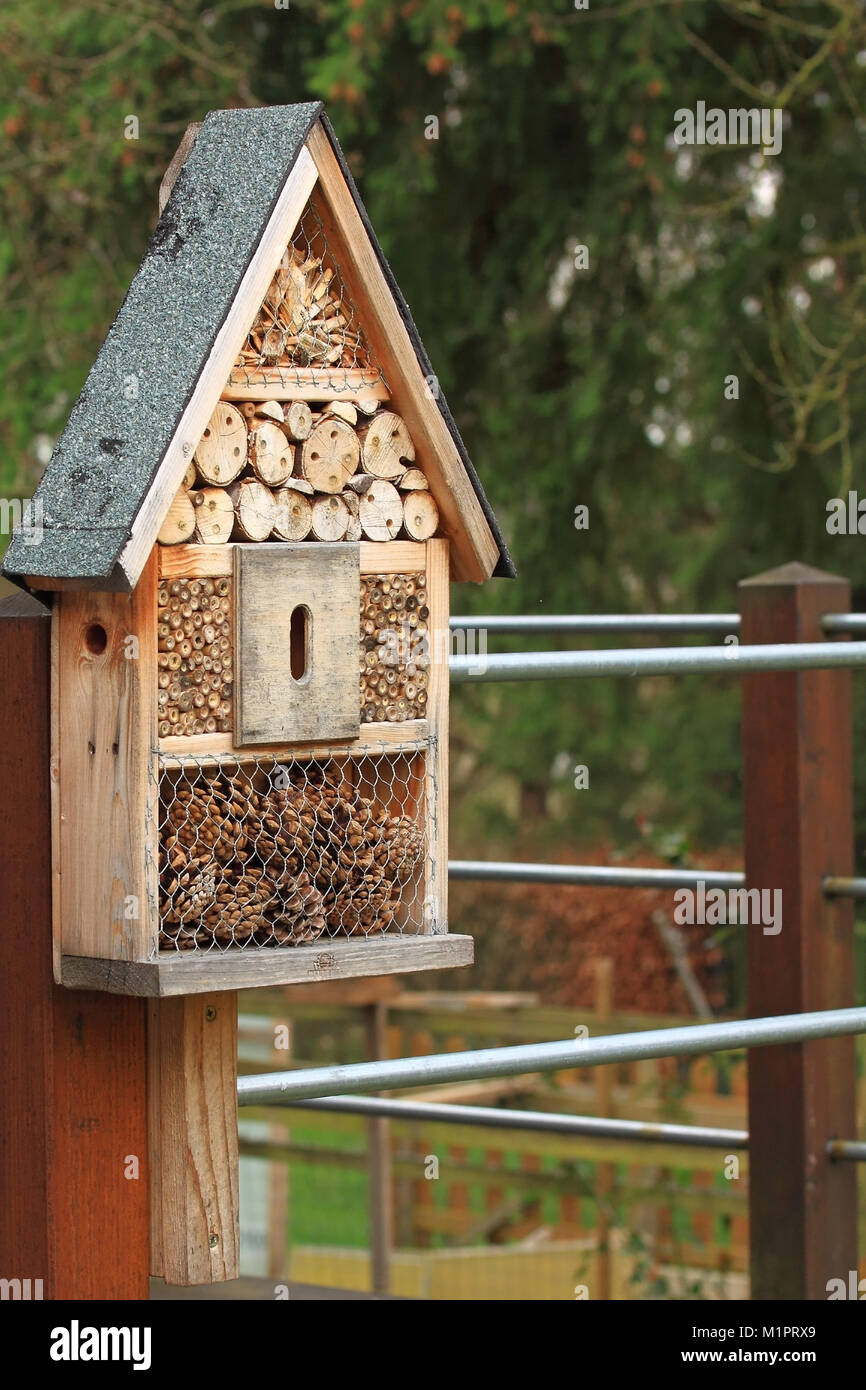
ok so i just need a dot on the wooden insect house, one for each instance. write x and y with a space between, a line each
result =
249 526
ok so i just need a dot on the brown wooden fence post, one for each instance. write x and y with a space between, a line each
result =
73 1135
797 784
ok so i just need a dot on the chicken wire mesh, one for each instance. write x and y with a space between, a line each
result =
307 324
269 852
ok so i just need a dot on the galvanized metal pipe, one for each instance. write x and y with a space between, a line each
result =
607 876
592 875
588 623
656 661
853 1150
537 1121
844 622
283 1087
837 886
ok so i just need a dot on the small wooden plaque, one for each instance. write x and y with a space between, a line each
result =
272 581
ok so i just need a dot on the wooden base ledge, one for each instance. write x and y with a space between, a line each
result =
198 973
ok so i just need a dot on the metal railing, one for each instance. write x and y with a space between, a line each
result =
338 1087
588 624
547 1122
656 661
277 1088
591 875
609 876
533 1121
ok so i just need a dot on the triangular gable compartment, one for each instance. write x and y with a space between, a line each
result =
307 333
284 299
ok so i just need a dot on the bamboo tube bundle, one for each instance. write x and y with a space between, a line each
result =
194 657
248 860
394 655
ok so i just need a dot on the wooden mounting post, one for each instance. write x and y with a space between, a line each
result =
798 828
73 1138
193 1117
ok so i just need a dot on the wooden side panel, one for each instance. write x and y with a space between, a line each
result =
271 583
437 718
73 1144
105 733
475 552
195 1232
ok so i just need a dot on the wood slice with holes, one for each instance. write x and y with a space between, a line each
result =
331 455
222 449
271 455
214 515
386 446
293 514
381 511
254 510
413 480
179 524
299 420
189 477
330 518
420 516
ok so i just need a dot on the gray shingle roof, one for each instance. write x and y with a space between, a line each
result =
135 393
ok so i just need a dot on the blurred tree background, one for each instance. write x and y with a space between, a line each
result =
600 385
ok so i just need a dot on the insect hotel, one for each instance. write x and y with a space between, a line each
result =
250 523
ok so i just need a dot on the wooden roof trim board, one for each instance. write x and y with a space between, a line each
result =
475 552
260 271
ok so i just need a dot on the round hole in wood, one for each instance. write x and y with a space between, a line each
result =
95 638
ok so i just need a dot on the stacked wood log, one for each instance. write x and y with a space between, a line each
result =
274 470
394 647
194 658
305 321
239 865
